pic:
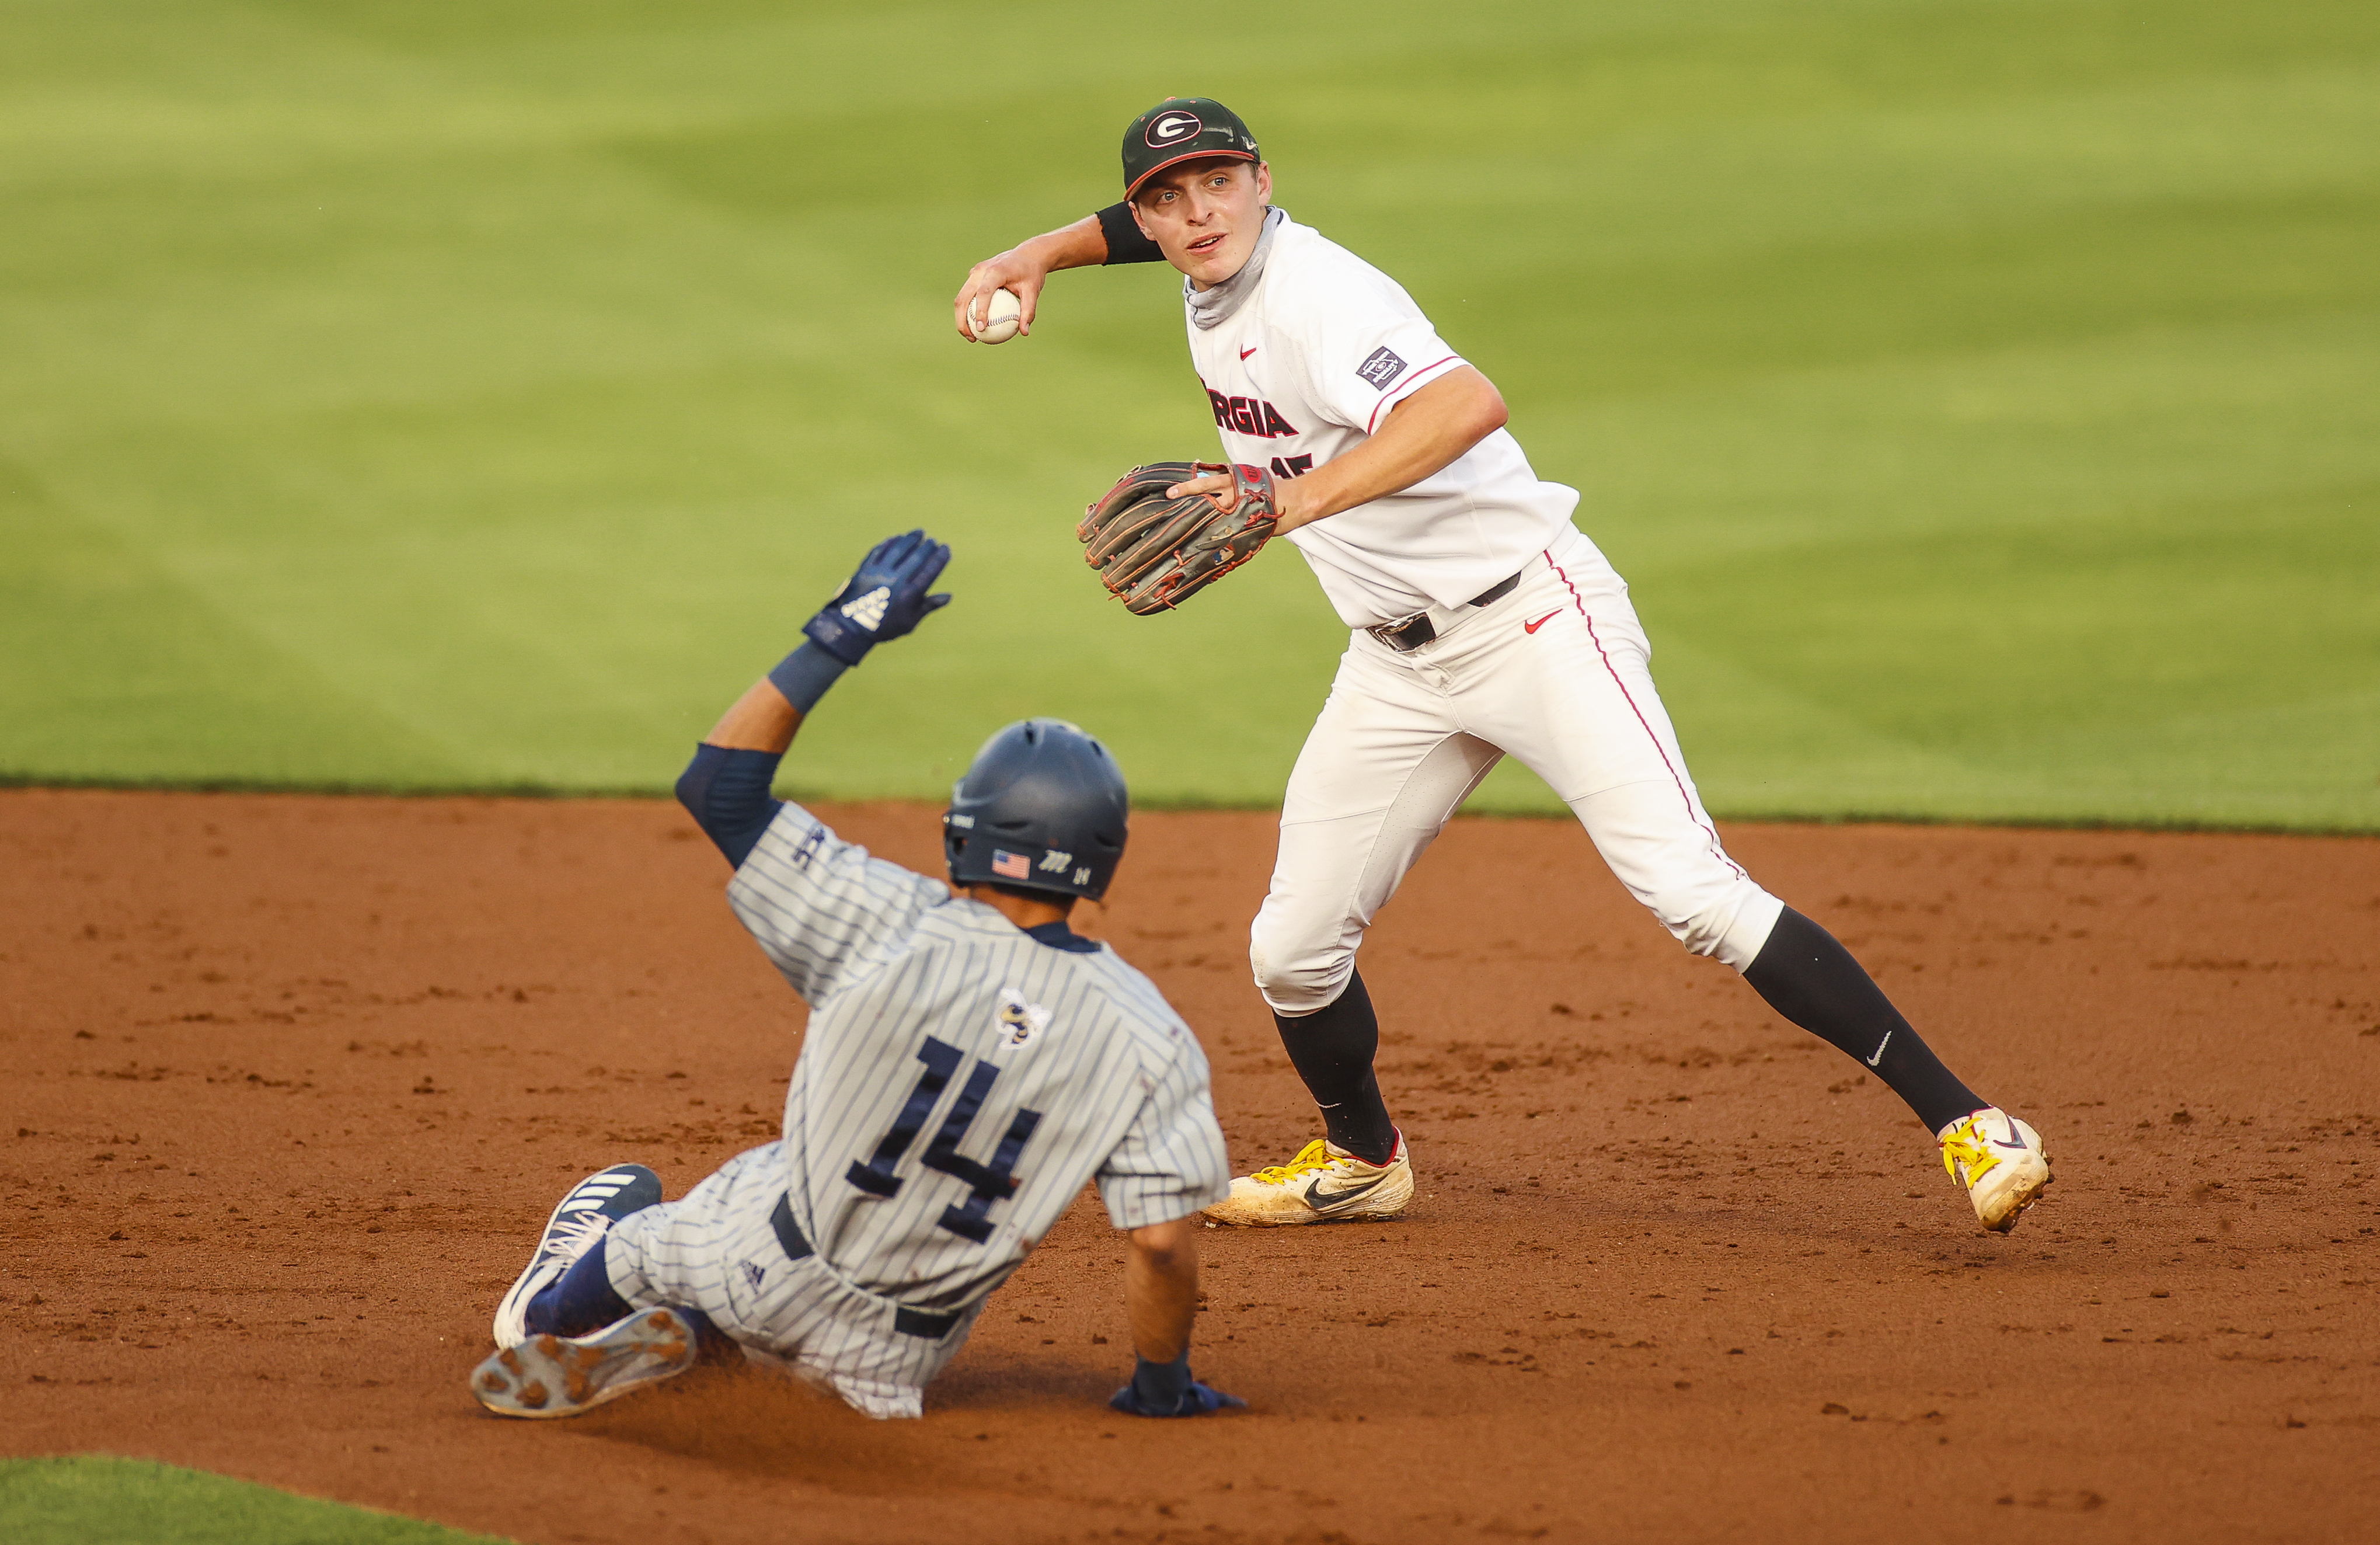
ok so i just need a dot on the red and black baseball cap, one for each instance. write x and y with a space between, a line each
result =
1180 129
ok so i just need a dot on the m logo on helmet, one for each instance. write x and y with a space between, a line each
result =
1171 129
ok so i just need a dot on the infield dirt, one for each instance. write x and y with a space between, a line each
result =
293 1081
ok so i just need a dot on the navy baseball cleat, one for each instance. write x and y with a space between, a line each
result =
583 1217
561 1376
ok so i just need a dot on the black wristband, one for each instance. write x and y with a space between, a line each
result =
1160 1387
1125 244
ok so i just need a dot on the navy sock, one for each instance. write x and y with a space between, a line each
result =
579 1301
1161 1386
1808 977
1333 1049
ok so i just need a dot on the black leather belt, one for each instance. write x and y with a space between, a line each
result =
789 1234
909 1322
1407 634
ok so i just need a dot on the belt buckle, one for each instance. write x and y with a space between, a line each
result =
1392 633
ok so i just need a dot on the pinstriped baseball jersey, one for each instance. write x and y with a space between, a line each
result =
960 1082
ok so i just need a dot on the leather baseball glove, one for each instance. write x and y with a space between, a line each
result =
1153 553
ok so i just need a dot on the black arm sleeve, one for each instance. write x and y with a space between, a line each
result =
1125 244
727 794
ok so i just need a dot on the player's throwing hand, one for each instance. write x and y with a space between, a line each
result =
1018 271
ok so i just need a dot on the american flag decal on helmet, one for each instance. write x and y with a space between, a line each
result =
1011 865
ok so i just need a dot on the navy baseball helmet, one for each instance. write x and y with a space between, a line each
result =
1042 807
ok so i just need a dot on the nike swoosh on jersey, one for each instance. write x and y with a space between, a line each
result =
1533 627
1245 352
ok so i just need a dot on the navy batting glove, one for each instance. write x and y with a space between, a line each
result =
1167 1389
885 600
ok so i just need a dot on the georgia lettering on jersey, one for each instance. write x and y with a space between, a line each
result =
1306 370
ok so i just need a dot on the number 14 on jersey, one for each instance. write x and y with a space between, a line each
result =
988 1183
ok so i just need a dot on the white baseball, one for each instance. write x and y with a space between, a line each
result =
1000 314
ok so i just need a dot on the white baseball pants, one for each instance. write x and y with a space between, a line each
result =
716 1249
1554 673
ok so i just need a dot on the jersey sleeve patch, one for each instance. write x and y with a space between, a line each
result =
1358 364
1381 369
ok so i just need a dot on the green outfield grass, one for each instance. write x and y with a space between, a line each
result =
1981 395
95 1500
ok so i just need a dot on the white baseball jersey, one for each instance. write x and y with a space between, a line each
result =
1307 369
1555 672
961 1081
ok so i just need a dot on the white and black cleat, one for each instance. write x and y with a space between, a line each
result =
561 1376
582 1217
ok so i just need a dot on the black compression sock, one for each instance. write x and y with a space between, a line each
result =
1808 977
1333 1049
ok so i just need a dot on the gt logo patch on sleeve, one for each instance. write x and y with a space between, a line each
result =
1381 369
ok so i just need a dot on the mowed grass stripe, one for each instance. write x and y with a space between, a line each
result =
115 671
525 376
100 1500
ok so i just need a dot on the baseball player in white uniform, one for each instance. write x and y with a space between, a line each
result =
970 1063
1484 624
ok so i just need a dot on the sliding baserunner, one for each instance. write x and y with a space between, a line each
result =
970 1064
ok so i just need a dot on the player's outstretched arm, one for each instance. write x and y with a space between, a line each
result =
1160 1291
726 787
1023 269
1424 435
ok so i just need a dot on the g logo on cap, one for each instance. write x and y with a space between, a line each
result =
1171 129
